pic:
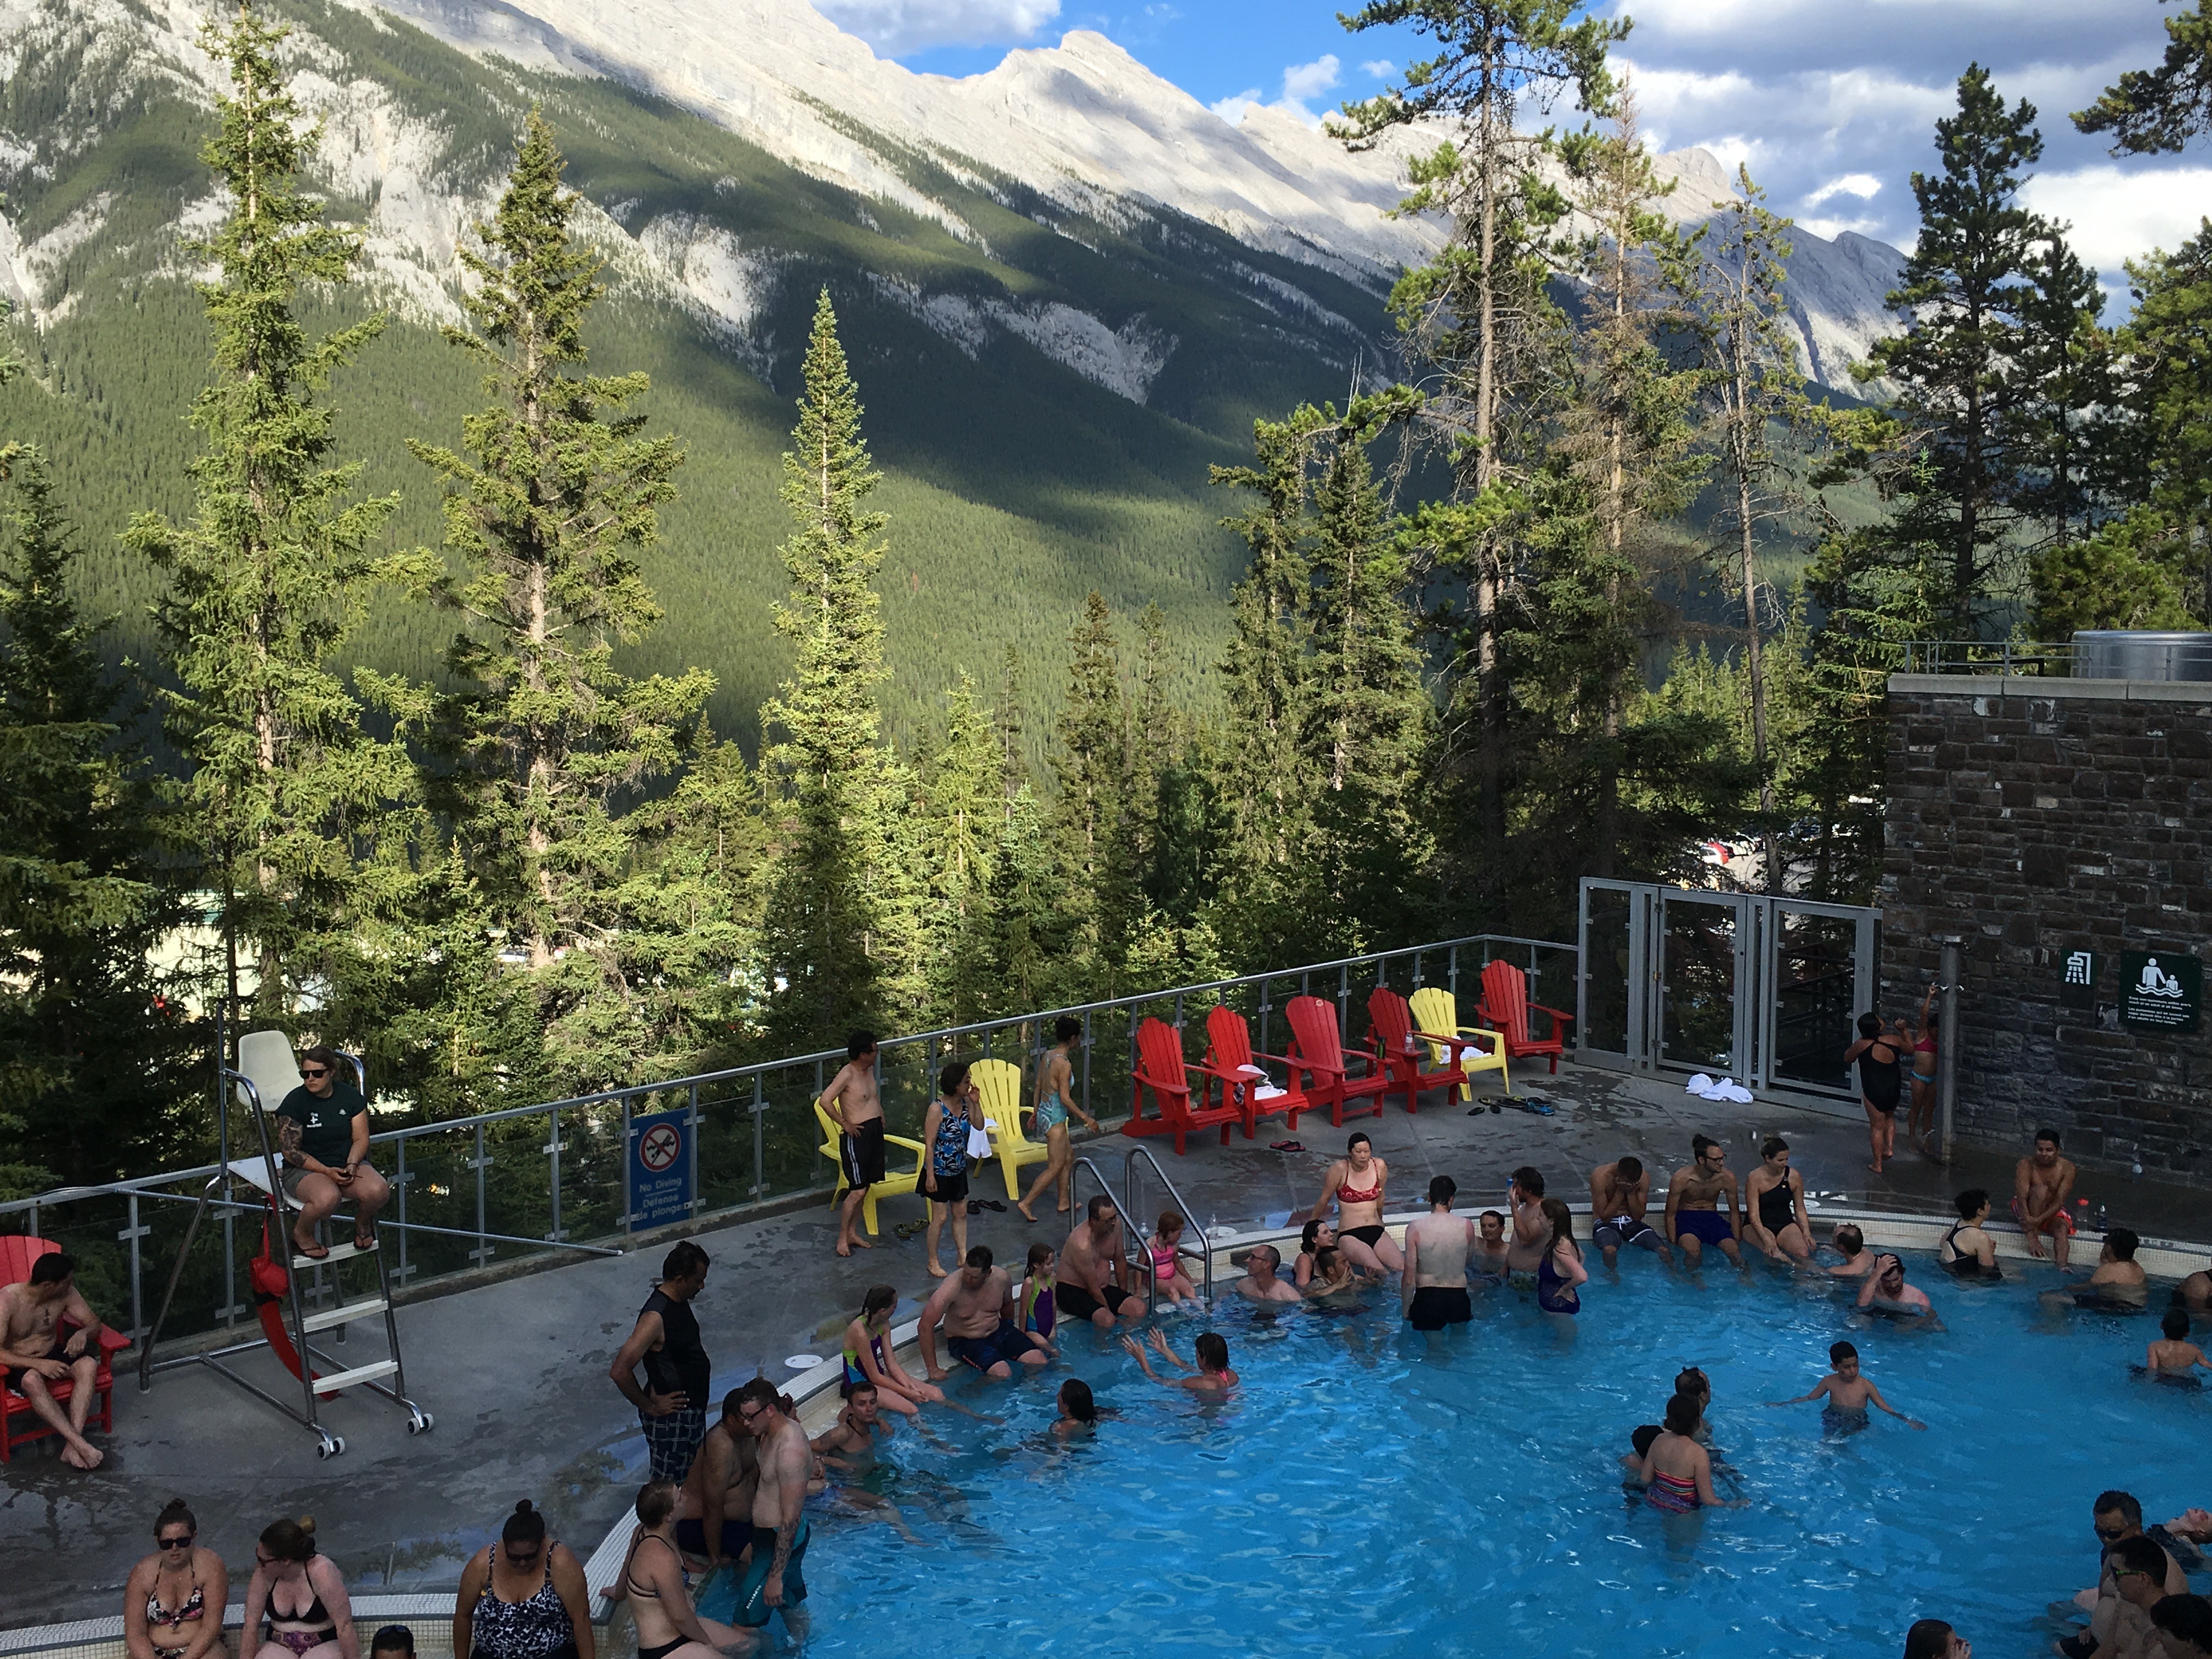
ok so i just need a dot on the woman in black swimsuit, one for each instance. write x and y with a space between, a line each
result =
1966 1251
523 1597
1881 1079
653 1582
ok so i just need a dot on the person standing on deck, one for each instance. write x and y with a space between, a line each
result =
855 1107
671 1402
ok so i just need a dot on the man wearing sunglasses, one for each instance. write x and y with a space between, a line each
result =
323 1127
2118 1519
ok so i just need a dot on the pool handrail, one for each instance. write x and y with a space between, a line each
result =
1129 1185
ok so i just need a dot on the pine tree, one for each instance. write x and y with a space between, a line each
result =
823 724
1092 762
966 806
93 1052
267 581
2155 110
1030 934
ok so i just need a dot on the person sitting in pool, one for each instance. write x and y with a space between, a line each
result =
2184 1626
1491 1248
1931 1639
1620 1192
859 1426
2195 1290
1092 1253
1695 1383
870 1357
1886 1291
2118 1284
1677 1472
1260 1283
2175 1357
1033 1305
1524 1196
1967 1251
1079 1412
1561 1267
1354 1184
2137 1567
1173 1283
1774 1203
2115 1516
718 1493
653 1582
2041 1184
1212 1379
976 1306
1848 1393
1693 1217
1317 1236
1432 1289
1850 1244
1332 1273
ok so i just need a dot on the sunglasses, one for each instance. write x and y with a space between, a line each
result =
520 1558
314 1070
2110 1534
184 1543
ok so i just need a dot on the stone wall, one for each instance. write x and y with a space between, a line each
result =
2035 818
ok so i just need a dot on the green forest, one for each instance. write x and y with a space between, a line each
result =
540 850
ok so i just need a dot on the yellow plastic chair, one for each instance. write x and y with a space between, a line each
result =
1436 1009
894 1183
999 1083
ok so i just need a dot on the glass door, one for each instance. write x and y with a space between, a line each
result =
1819 975
1610 1017
1703 941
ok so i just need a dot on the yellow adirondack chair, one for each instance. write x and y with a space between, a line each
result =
1000 1084
896 1183
1436 1009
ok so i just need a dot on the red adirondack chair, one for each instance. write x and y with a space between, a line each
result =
1505 1008
1402 1049
1318 1052
17 1252
1162 1068
1231 1062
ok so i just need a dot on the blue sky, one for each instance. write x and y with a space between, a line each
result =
1831 103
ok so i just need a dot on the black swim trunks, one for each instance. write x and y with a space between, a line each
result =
1436 1306
1624 1229
1366 1236
691 1538
860 1150
1006 1344
1073 1302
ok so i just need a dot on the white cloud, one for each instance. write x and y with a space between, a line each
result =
1232 108
1301 82
1378 69
1864 185
2122 214
894 28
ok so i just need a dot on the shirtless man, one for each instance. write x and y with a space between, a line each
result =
1774 1207
718 1494
855 1432
1620 1192
2118 1282
774 1581
1491 1248
1693 1217
857 1109
1094 1252
1532 1234
2197 1291
1850 1244
977 1306
1260 1283
49 1334
1433 1287
2042 1183
1886 1291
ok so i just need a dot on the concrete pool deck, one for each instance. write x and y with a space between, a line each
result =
516 1372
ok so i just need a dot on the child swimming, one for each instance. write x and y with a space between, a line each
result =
2174 1357
1848 1394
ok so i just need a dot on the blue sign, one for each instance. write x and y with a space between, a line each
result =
663 1164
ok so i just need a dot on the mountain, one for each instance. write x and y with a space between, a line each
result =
1066 286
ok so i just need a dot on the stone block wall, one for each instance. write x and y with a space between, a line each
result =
2034 818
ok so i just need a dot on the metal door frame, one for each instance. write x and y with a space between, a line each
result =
1743 1064
1633 1056
1865 988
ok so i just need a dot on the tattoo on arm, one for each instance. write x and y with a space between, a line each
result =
287 1136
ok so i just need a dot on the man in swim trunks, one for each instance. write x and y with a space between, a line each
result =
977 1306
2042 1183
2119 1284
48 1335
1094 1251
1260 1283
856 1109
774 1581
1437 1245
672 1406
718 1496
1620 1193
1491 1248
1532 1234
1850 1244
1693 1217
1774 1205
859 1426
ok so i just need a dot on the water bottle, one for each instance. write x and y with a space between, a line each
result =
2100 1218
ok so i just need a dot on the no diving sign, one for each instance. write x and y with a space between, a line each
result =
663 1164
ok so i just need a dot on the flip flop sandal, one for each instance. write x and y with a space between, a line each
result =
992 1204
909 1228
974 1207
1286 1146
312 1252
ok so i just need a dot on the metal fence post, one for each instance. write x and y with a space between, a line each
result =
696 1126
1451 972
1086 1065
553 1154
1946 1046
401 1180
1178 1010
133 1232
481 1254
760 1135
627 1218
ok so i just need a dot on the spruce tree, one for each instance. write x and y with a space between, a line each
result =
965 806
1089 818
271 576
2155 110
94 1053
822 725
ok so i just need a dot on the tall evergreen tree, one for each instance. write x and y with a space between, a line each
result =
966 806
271 576
2155 110
93 1049
823 725
1089 817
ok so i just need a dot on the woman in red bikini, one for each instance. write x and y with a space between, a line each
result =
1355 1182
173 1602
300 1594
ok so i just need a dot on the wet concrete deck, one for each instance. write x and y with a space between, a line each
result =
516 1372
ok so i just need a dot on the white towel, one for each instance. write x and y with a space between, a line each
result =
1700 1086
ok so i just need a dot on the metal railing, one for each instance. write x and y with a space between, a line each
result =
1202 1251
471 1192
1998 657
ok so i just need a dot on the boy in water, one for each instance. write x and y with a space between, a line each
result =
1848 1394
2176 1357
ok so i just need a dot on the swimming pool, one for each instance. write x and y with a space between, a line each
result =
1366 1493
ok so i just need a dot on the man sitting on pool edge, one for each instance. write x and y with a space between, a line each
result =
1620 1192
1693 1217
976 1306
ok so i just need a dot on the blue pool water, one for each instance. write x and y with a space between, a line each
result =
1368 1493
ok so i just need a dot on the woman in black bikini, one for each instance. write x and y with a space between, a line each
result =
168 1599
1881 1078
523 1597
653 1582
1354 1184
301 1594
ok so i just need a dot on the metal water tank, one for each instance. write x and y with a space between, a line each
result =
2133 655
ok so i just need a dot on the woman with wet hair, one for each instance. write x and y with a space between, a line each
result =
1561 1267
523 1597
173 1600
1354 1184
295 1603
1677 1472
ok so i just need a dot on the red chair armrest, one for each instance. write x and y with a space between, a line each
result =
112 1340
1560 1014
1280 1060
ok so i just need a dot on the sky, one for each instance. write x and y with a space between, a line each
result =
1831 103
